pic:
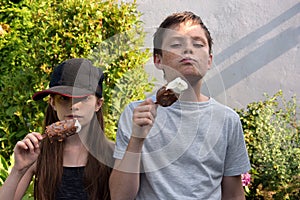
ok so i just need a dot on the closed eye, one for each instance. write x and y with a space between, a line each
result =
176 45
198 45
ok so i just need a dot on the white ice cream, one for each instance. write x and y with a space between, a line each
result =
78 125
177 85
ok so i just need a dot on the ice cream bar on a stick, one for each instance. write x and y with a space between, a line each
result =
62 129
169 93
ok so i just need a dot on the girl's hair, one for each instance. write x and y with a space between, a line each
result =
49 167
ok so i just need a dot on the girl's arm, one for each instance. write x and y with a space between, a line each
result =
16 184
25 155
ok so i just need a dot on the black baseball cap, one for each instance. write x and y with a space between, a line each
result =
75 78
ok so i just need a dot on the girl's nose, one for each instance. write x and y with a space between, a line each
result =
75 104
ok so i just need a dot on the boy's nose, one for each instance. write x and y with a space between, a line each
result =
188 48
188 51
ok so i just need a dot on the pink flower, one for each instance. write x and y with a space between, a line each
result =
246 178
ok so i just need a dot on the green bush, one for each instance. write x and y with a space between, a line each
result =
37 35
272 136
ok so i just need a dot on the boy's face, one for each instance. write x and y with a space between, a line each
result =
185 52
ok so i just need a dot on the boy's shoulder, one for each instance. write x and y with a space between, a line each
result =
230 112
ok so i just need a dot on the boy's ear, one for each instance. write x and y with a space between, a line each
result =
210 61
157 61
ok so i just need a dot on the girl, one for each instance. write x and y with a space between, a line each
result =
80 166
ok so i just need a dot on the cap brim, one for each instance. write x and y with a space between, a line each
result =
67 91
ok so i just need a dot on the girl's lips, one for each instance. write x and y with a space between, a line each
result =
73 116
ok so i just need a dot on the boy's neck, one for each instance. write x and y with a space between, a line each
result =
193 96
193 93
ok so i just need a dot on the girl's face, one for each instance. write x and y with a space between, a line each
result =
82 109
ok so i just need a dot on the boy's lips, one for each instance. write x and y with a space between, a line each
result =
187 60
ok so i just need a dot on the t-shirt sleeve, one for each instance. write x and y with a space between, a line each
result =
123 132
236 160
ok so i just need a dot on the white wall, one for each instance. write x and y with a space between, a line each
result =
256 45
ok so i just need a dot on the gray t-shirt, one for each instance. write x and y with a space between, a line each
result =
190 147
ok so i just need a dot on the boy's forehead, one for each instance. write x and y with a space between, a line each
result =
184 25
185 29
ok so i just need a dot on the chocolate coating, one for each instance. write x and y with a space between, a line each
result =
61 129
165 97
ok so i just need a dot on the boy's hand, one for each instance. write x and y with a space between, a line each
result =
143 118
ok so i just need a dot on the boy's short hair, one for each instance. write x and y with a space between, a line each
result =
176 19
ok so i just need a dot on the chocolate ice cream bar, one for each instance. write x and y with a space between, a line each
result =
169 93
62 129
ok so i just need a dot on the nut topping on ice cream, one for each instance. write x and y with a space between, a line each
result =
62 129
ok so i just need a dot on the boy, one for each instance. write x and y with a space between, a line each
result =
195 148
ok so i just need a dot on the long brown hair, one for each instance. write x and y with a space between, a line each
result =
49 167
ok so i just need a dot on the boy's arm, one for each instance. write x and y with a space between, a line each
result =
125 178
232 188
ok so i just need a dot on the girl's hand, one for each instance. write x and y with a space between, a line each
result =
143 118
26 151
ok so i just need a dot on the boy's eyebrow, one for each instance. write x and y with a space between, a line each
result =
195 38
176 37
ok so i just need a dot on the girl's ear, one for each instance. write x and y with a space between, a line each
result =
157 61
99 103
52 102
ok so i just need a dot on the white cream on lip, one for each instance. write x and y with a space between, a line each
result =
177 85
78 126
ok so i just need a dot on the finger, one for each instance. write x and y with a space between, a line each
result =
153 110
37 135
146 108
143 118
147 102
141 115
34 138
143 122
148 115
20 145
29 144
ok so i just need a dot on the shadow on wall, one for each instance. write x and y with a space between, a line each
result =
269 51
